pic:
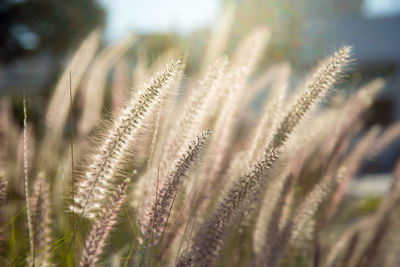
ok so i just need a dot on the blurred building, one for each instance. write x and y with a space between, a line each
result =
306 30
30 74
373 29
35 37
375 37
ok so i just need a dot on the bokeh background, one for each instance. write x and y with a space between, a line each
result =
38 36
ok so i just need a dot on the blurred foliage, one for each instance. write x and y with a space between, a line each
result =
368 205
27 27
281 16
286 19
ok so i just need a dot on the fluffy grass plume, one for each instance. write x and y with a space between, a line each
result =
27 182
166 195
102 227
3 188
323 80
74 72
268 187
208 239
94 89
3 198
41 222
106 162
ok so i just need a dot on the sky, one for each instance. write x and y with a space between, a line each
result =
185 16
157 16
381 8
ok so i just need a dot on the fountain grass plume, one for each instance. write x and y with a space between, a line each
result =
41 221
209 237
106 162
103 226
166 195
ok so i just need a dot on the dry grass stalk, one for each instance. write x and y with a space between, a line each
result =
219 37
244 62
294 229
342 242
310 205
58 109
270 118
194 111
157 161
106 162
273 241
120 86
323 79
388 137
383 222
141 71
209 237
192 119
274 193
41 222
8 130
346 170
267 79
103 226
352 163
224 127
3 188
27 185
348 257
354 108
93 91
166 195
251 49
3 198
142 189
20 156
245 59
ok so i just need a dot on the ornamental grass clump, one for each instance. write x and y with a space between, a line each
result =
187 171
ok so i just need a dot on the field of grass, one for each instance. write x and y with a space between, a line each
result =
178 170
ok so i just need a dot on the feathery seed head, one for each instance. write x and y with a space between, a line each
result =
160 209
58 107
41 221
3 188
209 237
102 227
323 80
107 161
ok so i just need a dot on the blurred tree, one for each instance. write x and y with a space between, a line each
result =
29 26
283 17
287 20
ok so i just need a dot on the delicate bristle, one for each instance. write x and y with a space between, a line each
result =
102 227
162 206
106 162
41 222
273 181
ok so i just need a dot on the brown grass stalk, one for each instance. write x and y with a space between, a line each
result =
58 108
209 237
107 160
94 89
103 226
162 206
41 222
